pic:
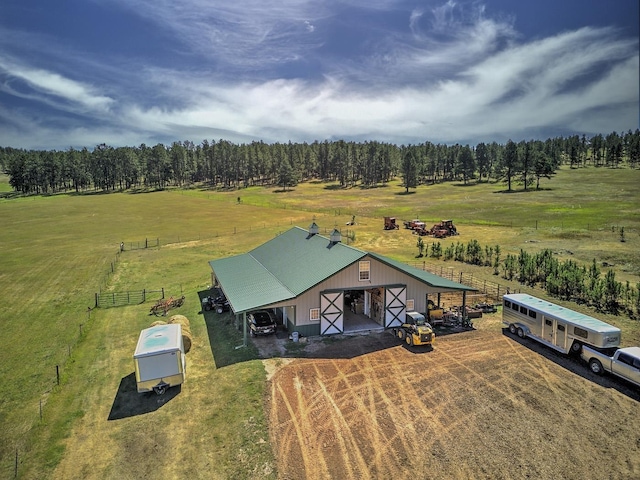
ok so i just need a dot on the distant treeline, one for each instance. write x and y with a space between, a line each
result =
223 164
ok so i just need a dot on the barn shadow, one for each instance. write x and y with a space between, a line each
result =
576 365
129 403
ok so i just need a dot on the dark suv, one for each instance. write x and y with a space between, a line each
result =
261 322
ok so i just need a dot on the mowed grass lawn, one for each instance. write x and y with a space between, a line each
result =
59 250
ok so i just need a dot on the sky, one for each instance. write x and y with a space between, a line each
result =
79 73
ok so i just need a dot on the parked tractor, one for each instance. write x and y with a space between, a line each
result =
444 229
413 224
415 330
390 223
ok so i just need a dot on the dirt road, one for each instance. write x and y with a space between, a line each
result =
482 404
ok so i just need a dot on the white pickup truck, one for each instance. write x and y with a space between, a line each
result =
625 362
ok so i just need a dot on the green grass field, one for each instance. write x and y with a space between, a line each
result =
58 251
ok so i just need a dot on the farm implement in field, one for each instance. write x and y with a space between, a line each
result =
162 306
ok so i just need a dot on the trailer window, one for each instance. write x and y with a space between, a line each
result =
580 332
548 322
523 310
507 303
514 307
561 328
532 314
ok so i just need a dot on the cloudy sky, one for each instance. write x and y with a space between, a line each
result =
125 72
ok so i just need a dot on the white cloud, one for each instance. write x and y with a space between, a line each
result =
46 84
476 82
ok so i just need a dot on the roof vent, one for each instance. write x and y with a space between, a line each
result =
336 236
314 229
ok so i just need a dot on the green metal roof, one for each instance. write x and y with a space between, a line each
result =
430 279
281 268
292 263
247 284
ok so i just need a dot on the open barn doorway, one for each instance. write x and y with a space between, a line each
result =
363 310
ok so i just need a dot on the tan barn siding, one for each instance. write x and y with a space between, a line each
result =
381 275
348 279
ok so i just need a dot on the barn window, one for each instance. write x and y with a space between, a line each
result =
314 314
365 270
410 304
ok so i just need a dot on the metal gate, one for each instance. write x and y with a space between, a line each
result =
331 313
395 306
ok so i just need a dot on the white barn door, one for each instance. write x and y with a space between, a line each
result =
395 306
331 313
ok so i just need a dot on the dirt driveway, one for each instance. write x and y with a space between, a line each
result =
482 404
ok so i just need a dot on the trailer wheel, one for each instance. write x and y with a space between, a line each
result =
595 366
576 347
520 332
512 329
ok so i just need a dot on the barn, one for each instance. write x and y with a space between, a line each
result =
321 286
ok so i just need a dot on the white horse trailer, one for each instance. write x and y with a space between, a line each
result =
558 327
159 358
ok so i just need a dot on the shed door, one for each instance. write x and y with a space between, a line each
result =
395 306
331 313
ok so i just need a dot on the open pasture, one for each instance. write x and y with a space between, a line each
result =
60 250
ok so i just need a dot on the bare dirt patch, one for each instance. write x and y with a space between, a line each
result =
482 404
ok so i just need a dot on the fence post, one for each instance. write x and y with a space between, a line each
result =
96 300
58 374
144 295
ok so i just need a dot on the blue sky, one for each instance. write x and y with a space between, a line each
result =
125 72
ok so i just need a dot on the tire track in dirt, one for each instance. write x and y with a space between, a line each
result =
448 413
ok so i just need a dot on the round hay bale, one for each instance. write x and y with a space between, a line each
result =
187 339
181 319
157 322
